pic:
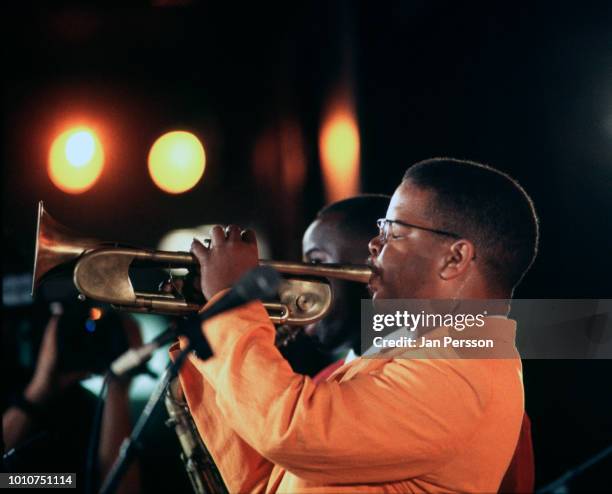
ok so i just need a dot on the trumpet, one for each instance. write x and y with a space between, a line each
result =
100 271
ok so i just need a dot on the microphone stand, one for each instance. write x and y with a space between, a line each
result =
131 445
560 486
259 283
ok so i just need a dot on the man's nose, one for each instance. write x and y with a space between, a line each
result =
375 246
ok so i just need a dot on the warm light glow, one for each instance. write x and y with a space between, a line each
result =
76 159
95 313
339 150
177 161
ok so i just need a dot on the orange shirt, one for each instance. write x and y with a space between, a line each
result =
520 476
377 425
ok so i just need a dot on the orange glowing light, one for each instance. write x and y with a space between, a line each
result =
76 159
339 151
177 161
95 313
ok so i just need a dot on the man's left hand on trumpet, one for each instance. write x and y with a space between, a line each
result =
230 254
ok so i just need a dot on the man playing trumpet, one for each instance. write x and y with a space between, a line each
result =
453 230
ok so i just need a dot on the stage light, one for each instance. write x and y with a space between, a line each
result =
339 152
90 326
76 159
95 313
177 161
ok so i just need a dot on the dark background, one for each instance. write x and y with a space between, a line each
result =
527 89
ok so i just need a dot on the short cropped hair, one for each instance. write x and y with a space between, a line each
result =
485 206
358 213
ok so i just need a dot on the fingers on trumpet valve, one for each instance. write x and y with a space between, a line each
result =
233 233
217 234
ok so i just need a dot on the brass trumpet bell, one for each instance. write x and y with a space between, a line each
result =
57 247
100 272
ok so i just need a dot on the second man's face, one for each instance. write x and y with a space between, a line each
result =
325 242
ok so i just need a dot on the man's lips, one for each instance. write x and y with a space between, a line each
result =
376 271
375 278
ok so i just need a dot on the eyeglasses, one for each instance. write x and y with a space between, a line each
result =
386 228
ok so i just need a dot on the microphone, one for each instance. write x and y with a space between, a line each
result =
135 357
258 283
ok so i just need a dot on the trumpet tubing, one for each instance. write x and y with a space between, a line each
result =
100 271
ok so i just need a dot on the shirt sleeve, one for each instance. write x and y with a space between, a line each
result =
400 420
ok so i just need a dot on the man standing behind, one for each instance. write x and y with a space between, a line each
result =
453 229
340 234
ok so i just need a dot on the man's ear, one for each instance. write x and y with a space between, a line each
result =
457 259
